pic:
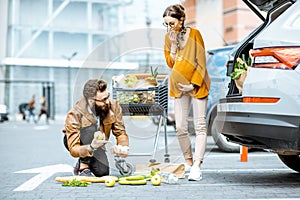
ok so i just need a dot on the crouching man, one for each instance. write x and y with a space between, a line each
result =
94 114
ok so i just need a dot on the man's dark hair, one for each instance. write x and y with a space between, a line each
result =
92 86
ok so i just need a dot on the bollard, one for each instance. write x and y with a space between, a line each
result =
243 154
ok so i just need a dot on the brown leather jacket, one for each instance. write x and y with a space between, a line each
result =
79 117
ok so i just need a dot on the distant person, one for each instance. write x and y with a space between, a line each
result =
31 110
44 109
94 113
23 107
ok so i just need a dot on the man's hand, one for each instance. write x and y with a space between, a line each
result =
96 143
185 88
120 150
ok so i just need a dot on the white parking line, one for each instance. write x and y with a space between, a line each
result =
247 170
43 174
212 155
270 199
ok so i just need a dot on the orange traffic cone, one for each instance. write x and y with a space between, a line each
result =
244 154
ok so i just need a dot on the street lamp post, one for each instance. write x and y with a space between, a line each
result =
69 58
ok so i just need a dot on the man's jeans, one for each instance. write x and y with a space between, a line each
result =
98 163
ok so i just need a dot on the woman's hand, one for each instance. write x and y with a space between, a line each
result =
185 88
173 36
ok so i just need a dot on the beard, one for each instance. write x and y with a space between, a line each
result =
102 111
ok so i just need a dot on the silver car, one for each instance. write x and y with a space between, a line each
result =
265 112
216 66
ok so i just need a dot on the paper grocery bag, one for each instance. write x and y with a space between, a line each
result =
177 169
240 82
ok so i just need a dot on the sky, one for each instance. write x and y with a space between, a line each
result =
139 10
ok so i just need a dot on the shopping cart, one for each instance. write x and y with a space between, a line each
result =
151 101
124 167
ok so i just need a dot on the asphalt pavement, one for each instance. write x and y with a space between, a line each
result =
32 156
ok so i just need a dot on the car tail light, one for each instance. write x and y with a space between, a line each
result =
229 67
276 58
260 100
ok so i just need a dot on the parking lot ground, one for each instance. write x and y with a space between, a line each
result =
31 149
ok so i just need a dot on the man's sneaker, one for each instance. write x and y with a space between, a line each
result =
76 168
86 172
195 174
187 168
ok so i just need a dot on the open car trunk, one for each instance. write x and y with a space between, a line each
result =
274 9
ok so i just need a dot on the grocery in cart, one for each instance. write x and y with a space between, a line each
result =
144 95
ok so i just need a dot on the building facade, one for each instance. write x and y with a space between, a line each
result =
221 22
51 47
238 21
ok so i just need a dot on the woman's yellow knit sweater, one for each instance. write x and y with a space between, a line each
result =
189 66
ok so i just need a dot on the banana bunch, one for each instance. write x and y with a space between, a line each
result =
139 179
133 180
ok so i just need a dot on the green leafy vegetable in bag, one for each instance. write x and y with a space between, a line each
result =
240 67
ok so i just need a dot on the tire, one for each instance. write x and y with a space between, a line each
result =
129 171
220 140
291 161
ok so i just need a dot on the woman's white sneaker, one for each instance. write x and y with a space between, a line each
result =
195 174
187 168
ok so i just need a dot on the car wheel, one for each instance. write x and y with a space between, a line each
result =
221 141
292 161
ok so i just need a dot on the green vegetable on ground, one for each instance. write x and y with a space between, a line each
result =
75 183
154 171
